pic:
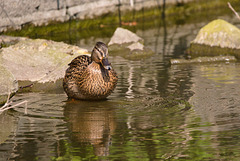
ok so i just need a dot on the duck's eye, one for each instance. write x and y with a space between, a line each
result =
109 68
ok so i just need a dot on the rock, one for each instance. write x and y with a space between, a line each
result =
204 60
10 40
39 61
219 33
7 126
135 46
216 38
128 45
122 36
8 84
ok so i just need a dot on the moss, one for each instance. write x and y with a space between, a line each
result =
216 38
219 33
104 26
196 50
211 27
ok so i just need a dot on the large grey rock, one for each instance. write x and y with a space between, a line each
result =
219 33
39 61
8 84
216 38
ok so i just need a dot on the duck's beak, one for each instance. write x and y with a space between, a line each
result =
106 64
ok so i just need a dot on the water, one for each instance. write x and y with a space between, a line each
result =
157 112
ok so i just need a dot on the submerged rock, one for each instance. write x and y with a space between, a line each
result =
8 84
7 126
216 38
136 46
128 45
39 61
204 60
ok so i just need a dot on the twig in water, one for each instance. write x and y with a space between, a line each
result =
230 6
7 106
25 111
30 85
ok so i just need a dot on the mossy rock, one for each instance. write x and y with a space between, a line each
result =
198 50
8 84
216 38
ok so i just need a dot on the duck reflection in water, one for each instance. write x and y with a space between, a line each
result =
91 122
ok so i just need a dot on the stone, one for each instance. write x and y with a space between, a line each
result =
216 38
122 36
8 84
7 126
10 40
128 45
204 60
39 61
219 33
136 46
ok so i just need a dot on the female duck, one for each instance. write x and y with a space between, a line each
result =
90 77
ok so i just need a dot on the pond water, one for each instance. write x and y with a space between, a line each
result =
157 112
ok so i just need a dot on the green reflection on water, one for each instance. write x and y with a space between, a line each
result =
174 137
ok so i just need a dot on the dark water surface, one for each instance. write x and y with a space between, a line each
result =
157 112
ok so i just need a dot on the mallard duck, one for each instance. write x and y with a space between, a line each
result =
92 77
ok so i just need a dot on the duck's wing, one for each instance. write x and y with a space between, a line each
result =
77 68
76 74
80 62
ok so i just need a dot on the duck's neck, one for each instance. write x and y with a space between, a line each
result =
97 68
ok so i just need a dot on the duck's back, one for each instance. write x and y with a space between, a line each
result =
75 72
80 63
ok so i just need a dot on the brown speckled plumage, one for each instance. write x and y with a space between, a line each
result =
90 77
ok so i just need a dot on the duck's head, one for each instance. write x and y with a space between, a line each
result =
100 55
